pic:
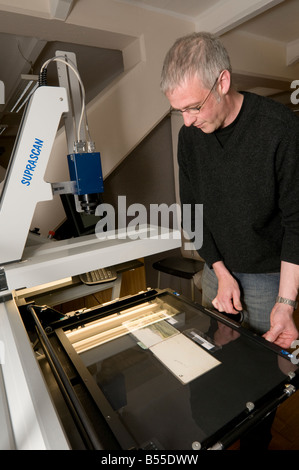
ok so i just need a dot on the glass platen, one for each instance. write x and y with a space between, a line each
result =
175 373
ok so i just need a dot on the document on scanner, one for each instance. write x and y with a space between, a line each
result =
184 358
155 333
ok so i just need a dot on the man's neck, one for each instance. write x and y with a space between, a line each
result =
233 103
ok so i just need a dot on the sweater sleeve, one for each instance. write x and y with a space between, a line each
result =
208 250
287 165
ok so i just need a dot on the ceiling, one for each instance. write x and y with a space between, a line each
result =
98 67
188 9
278 23
277 20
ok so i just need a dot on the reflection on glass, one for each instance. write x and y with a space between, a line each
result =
139 357
128 320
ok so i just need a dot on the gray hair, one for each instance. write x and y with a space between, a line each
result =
198 54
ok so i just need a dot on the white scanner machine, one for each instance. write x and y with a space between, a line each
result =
28 418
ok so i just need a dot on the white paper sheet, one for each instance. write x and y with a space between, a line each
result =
185 359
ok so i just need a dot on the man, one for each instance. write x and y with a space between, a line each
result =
238 155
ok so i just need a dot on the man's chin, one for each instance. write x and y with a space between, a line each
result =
204 128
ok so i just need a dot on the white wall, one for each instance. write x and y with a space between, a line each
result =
259 56
121 116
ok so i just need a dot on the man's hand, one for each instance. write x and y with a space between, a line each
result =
283 330
228 294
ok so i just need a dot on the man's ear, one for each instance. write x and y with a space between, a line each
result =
224 82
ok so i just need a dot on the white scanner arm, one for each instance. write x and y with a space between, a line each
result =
24 184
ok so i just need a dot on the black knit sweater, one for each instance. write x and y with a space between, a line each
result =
249 187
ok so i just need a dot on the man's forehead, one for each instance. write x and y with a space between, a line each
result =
190 89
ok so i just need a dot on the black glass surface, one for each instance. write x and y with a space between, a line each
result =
155 405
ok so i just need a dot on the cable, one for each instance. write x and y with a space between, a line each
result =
83 115
25 58
72 67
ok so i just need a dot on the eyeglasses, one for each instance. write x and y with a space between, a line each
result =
195 109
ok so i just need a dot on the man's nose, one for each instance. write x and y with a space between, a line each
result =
189 119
